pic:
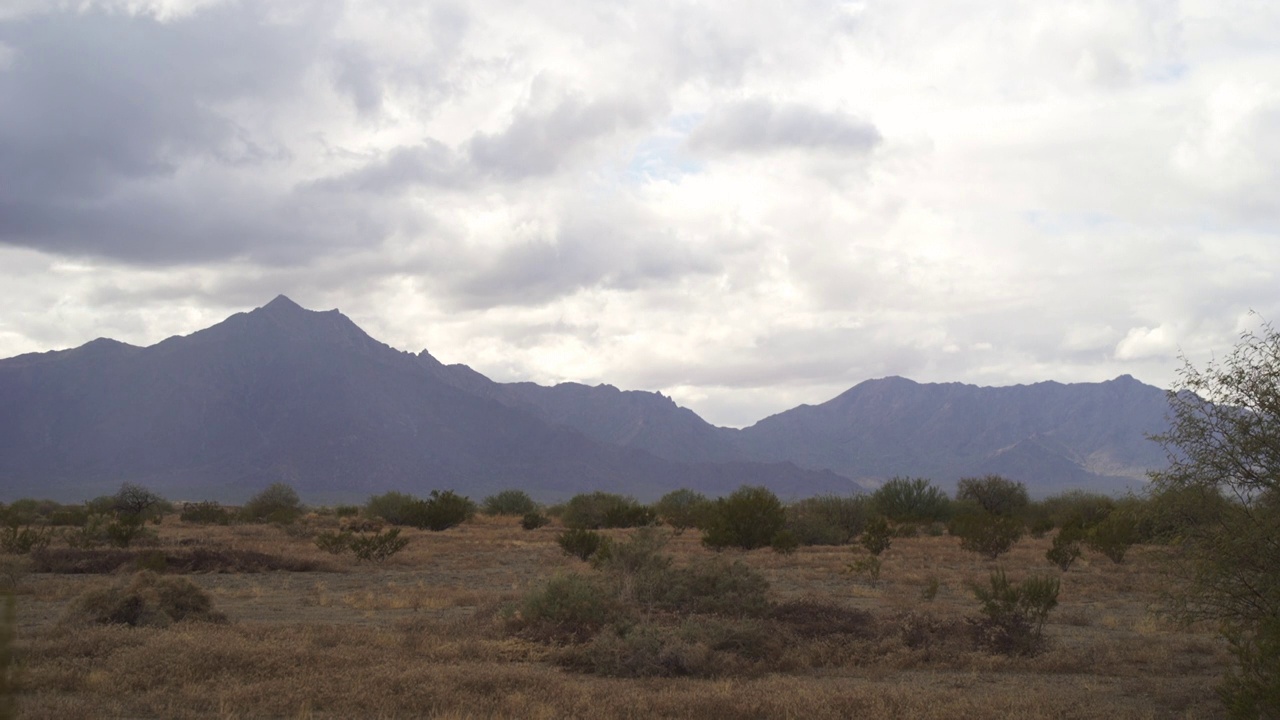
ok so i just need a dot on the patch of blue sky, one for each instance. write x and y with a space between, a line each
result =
663 155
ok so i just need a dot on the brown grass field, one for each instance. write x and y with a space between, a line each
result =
422 635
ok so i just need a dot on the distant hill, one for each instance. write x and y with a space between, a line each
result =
287 394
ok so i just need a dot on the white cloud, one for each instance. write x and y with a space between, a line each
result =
746 206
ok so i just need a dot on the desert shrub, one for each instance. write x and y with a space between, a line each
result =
442 510
8 669
1075 507
827 519
68 516
346 511
877 536
23 540
569 608
107 561
277 503
705 647
207 512
868 567
334 543
748 518
713 586
1115 534
509 502
597 510
910 500
985 533
682 509
90 535
930 589
785 542
396 508
146 599
125 530
1065 549
1252 688
534 520
580 543
135 501
378 546
1013 617
640 554
994 494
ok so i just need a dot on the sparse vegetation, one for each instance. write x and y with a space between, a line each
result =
509 502
682 509
600 510
8 670
277 503
748 518
376 547
146 599
1013 616
205 513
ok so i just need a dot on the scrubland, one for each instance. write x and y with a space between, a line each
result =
434 632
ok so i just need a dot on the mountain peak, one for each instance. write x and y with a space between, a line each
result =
282 303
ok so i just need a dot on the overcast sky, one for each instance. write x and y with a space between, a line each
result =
745 205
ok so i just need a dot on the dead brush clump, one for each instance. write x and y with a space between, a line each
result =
145 600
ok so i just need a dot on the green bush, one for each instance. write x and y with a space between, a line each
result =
911 500
23 541
346 511
205 513
994 494
1075 508
125 530
378 546
1115 534
1252 689
785 542
985 533
146 599
277 503
877 537
509 502
1013 617
136 501
443 510
748 518
580 543
396 508
335 543
827 519
569 608
682 509
69 516
1065 549
713 586
597 510
534 520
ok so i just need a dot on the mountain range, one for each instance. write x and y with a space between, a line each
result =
286 394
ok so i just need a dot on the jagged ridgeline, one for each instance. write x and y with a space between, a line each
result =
285 394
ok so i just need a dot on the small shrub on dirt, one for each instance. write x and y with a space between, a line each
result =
1013 617
277 503
22 541
580 543
598 510
334 543
911 500
713 586
877 537
125 530
1114 535
930 590
346 511
828 519
534 520
868 567
146 599
986 534
396 508
509 502
207 512
379 546
748 518
153 560
569 608
1065 549
785 542
682 509
439 512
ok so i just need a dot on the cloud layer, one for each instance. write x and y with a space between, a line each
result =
746 207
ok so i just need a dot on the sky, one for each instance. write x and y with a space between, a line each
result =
743 205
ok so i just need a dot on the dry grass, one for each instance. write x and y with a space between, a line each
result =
422 636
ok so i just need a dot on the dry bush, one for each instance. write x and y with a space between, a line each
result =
146 599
